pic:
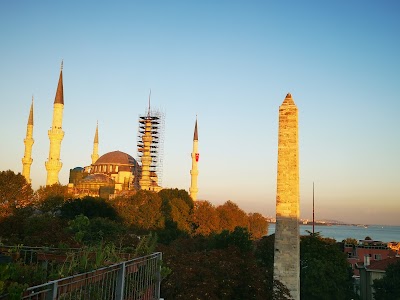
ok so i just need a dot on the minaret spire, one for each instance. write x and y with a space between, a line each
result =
148 111
95 155
194 172
56 134
28 141
287 236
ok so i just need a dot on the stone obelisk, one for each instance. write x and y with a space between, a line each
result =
287 237
194 172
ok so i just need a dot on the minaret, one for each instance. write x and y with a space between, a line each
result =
95 155
194 172
56 134
147 138
28 141
287 237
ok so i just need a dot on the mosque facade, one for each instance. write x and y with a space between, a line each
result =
109 175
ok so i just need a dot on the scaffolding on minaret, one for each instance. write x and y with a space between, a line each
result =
150 151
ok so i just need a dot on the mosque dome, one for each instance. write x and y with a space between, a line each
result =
116 158
115 162
97 178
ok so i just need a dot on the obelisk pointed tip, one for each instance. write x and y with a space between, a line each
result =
288 100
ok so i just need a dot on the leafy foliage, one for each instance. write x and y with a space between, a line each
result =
350 241
240 238
388 287
231 216
169 194
201 272
15 192
325 273
90 207
142 210
258 225
93 231
180 214
205 218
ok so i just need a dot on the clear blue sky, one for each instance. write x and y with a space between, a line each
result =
231 63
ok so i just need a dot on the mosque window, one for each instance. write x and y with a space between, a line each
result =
116 168
110 168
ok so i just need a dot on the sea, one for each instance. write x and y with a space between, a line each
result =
340 232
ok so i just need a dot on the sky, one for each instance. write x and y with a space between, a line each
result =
231 63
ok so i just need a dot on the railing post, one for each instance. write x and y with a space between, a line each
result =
52 293
159 263
120 284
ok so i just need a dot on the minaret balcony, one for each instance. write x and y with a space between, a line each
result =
53 165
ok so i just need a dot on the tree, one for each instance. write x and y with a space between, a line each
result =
51 198
350 241
231 216
324 270
205 218
90 207
258 225
180 214
198 273
388 287
15 192
239 238
142 210
169 194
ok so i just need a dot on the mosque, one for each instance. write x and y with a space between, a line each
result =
114 173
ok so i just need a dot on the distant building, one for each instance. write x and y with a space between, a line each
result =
366 252
113 173
368 273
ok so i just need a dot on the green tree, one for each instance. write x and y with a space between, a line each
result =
90 207
51 198
324 270
180 214
199 273
350 241
169 194
15 192
205 218
388 287
142 210
258 225
239 238
231 216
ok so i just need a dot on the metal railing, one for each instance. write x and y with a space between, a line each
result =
136 279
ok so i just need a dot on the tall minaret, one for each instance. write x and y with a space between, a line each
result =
287 237
28 141
56 134
95 155
194 172
147 138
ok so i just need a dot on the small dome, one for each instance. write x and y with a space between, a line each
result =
78 169
116 158
99 178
